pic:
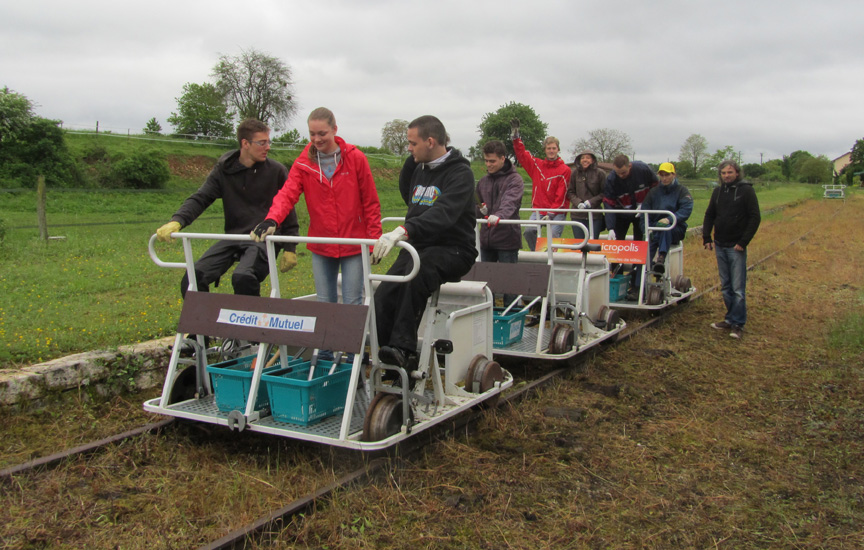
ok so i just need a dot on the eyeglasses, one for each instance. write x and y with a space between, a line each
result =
262 142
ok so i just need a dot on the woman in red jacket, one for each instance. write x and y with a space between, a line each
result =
342 202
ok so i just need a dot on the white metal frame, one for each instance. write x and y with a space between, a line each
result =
343 429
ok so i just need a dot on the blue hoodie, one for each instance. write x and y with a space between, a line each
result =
673 197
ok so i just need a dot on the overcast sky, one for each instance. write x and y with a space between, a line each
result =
763 76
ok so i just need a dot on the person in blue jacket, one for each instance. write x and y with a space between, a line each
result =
674 197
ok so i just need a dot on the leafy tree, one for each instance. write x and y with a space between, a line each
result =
754 170
606 144
694 150
201 111
856 163
497 126
16 112
394 136
258 86
815 169
786 167
684 169
153 127
291 136
710 167
38 148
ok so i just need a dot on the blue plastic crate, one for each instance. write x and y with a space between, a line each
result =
507 329
618 288
232 380
297 400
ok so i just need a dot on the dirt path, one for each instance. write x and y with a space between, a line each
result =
679 438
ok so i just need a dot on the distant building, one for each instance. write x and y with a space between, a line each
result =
842 162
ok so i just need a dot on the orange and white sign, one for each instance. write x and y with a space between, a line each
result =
617 252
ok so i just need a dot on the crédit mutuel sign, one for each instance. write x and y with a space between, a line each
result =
266 320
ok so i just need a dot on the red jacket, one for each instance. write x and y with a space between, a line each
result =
549 178
346 206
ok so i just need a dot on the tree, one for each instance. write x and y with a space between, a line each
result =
606 144
394 136
38 148
153 127
497 126
856 162
291 136
695 150
711 163
815 169
201 111
16 112
258 86
753 170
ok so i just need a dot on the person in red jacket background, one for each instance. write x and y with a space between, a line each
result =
342 202
549 179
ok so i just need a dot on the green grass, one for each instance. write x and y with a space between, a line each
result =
99 289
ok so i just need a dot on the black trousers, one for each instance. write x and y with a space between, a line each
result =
622 225
251 267
399 306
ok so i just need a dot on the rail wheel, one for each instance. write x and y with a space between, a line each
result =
682 283
185 386
562 339
383 418
482 376
655 296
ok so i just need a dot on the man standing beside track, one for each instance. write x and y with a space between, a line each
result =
437 185
549 179
733 215
246 181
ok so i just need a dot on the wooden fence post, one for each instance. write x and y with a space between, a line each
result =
41 217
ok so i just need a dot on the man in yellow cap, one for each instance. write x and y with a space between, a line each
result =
674 197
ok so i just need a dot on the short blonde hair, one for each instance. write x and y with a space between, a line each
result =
552 139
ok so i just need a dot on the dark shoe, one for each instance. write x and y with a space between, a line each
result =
661 258
391 355
532 321
632 296
659 269
722 325
736 332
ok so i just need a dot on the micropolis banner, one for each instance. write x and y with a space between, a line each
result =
617 252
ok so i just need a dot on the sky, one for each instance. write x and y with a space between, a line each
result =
766 77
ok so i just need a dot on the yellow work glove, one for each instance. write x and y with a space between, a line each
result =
287 261
164 232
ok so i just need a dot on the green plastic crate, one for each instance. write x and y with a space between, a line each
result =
618 288
232 380
297 400
507 329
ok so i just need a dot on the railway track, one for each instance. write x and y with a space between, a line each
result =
374 464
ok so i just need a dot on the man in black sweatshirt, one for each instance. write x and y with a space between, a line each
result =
733 215
437 185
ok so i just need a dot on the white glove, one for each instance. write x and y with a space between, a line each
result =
493 220
386 242
547 217
586 204
483 209
611 235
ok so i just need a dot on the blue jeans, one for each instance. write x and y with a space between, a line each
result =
325 271
599 226
531 231
732 266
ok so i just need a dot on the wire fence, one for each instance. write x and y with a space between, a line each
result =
195 139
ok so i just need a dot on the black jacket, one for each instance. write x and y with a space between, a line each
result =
733 215
246 195
440 203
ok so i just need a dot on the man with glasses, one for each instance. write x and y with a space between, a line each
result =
246 181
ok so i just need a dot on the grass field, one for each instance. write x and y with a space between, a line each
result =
98 288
